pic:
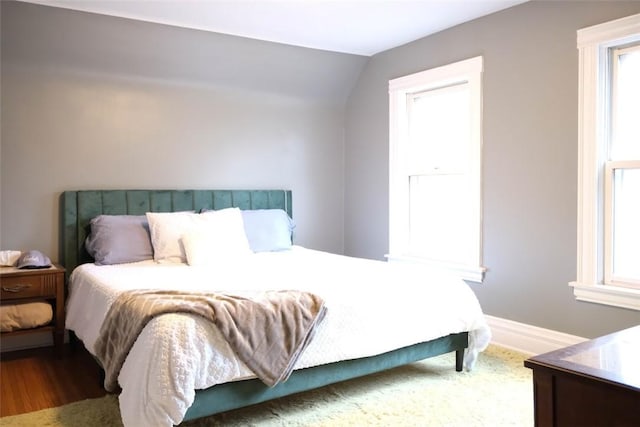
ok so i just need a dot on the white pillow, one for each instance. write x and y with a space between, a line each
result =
218 235
166 230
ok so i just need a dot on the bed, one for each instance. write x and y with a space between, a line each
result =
194 391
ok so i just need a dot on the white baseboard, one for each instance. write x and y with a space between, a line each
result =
528 339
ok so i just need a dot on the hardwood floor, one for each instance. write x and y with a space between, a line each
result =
35 379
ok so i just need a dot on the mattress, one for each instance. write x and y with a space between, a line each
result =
372 307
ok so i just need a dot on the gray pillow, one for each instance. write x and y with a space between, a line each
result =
117 239
268 229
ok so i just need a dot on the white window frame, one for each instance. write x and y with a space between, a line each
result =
594 103
466 71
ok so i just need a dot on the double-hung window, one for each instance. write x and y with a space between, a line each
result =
435 152
608 269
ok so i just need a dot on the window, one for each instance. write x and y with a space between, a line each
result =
434 168
608 269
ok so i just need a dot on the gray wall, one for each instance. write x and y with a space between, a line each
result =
91 101
530 157
100 102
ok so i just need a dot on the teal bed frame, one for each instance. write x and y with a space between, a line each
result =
77 208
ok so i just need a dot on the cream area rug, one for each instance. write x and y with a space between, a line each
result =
498 392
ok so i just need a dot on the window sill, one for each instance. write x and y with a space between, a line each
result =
616 296
465 272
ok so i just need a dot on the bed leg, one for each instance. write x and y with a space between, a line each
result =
459 359
101 376
73 341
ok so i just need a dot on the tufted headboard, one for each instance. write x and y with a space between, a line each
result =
77 208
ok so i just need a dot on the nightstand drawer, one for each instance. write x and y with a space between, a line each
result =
25 287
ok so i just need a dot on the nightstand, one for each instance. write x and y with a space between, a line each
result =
36 284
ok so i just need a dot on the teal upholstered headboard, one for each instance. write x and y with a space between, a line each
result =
77 208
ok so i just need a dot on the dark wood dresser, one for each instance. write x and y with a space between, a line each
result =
594 383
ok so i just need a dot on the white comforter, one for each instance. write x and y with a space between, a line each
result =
372 307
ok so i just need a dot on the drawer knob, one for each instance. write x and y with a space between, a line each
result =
16 288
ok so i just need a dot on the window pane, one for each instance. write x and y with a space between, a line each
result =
439 130
625 143
440 226
626 228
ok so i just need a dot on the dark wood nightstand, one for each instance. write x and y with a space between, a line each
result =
36 284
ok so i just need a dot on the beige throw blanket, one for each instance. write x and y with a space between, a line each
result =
267 332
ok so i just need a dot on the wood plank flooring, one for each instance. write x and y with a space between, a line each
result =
35 379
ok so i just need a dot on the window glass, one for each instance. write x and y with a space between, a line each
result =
626 224
439 129
439 221
625 141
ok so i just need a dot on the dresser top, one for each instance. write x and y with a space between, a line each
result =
612 358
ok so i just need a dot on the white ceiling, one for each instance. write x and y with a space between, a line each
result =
363 27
